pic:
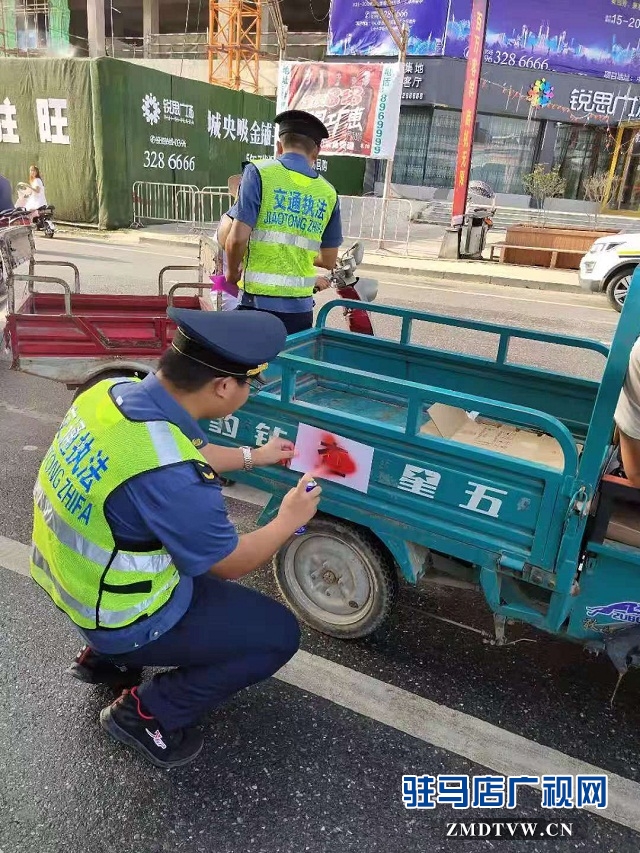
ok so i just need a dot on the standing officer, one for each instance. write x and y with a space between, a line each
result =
132 541
286 222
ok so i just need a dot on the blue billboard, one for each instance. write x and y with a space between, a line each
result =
596 37
356 28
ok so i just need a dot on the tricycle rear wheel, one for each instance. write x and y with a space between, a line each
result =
337 579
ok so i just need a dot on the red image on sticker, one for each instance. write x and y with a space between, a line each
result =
336 459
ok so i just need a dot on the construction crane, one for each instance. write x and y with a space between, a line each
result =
236 29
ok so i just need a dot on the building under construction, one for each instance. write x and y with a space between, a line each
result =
222 41
34 27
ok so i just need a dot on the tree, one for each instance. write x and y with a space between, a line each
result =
600 188
542 184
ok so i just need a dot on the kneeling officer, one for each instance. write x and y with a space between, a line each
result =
132 540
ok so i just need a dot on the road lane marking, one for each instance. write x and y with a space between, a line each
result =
123 246
31 413
246 494
14 556
476 740
437 725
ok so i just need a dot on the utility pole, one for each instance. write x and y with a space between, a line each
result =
451 242
400 36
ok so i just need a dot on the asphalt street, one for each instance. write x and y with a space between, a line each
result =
306 762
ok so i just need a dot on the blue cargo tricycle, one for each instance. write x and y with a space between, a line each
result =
522 502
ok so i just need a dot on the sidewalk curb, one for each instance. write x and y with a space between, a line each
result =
467 277
128 238
187 241
182 242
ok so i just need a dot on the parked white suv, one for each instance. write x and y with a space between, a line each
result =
609 265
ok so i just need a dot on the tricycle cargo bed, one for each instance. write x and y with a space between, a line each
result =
465 501
98 324
497 376
74 337
70 338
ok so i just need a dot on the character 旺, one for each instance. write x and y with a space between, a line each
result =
335 459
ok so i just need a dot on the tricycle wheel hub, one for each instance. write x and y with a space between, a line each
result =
329 578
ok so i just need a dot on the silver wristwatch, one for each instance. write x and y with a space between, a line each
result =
247 458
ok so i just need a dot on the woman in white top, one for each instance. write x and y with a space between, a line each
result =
37 198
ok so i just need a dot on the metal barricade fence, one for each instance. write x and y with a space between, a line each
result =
213 203
155 202
377 222
187 204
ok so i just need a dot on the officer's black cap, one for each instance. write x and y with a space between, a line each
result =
305 124
234 343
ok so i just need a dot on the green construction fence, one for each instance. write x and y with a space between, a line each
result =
94 127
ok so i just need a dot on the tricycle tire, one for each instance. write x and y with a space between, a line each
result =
345 586
108 374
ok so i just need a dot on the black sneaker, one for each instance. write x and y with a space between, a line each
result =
93 668
127 721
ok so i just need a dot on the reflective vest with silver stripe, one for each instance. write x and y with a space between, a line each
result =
294 212
75 558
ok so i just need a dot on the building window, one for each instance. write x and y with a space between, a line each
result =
411 150
581 152
503 152
626 187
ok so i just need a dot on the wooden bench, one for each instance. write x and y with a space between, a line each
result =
499 247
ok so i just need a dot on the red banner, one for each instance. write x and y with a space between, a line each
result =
469 108
359 103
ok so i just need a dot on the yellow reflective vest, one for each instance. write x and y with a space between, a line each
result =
294 212
75 558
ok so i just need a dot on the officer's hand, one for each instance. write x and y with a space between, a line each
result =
322 283
274 451
299 506
234 276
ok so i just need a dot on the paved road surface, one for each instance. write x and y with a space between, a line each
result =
311 761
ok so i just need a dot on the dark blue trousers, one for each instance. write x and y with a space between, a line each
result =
230 637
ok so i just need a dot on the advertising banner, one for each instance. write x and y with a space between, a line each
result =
356 28
359 103
523 92
597 37
469 110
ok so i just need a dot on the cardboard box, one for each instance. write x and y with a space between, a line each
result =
456 424
624 525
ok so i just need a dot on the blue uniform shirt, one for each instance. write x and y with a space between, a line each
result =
173 505
247 208
6 197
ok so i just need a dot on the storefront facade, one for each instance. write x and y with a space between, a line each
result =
525 116
623 192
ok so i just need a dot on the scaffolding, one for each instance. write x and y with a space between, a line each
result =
8 30
33 27
235 41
